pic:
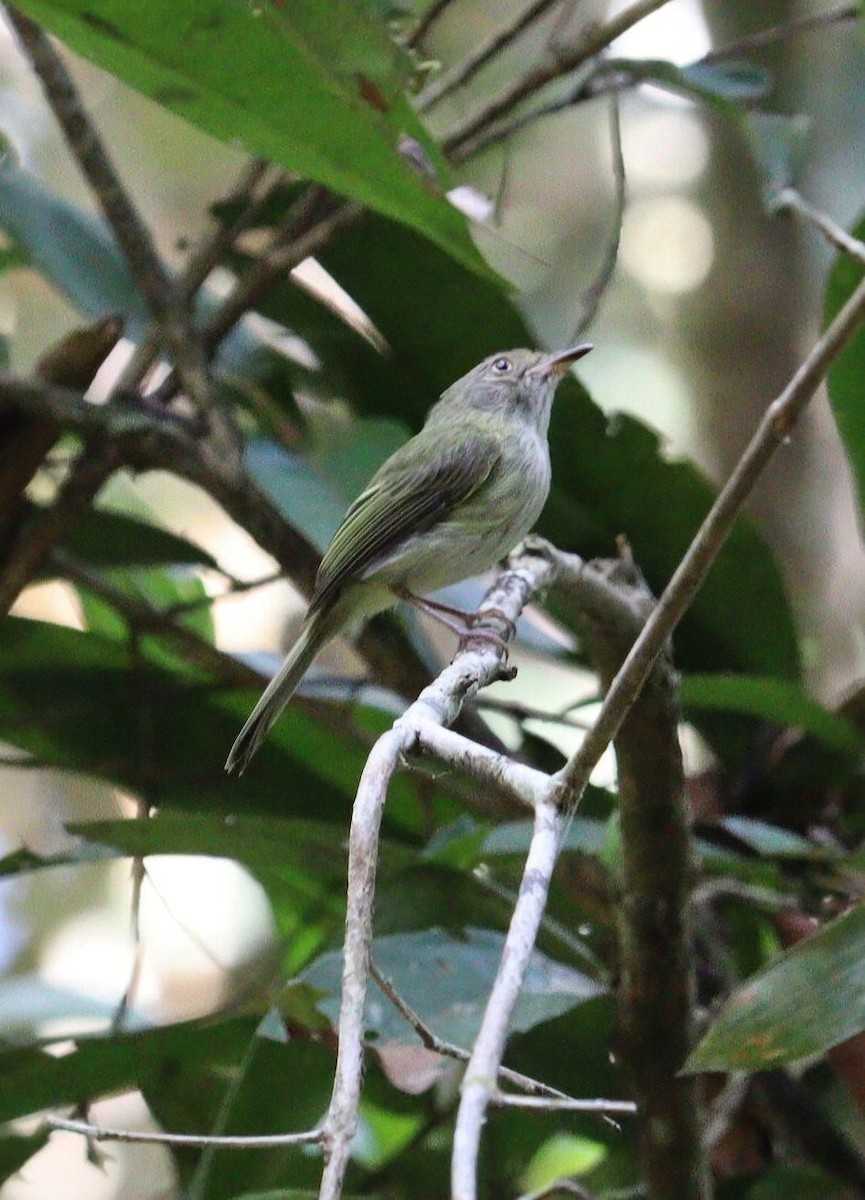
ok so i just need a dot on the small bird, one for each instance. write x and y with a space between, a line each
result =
448 504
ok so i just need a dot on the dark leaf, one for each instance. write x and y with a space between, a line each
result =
447 980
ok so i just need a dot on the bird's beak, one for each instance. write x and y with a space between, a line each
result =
558 363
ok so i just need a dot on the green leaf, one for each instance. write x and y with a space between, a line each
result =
771 841
203 1097
848 371
27 1002
809 999
447 981
315 85
32 1080
721 84
104 538
309 501
773 700
73 700
74 249
270 847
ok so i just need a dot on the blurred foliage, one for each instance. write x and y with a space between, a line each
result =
324 90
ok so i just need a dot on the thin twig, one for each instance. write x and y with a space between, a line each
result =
131 232
145 438
478 1086
236 587
72 501
773 431
531 712
461 72
276 262
423 26
145 618
789 200
533 1087
619 1108
657 969
199 265
104 1133
558 62
795 27
594 295
340 1124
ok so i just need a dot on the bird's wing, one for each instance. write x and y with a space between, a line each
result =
402 500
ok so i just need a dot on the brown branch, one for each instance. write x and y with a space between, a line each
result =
558 62
789 200
33 543
432 14
461 72
101 1133
309 233
778 33
773 431
131 232
657 986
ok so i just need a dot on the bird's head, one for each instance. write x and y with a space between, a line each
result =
517 383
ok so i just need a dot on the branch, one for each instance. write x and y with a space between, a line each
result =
789 200
773 431
144 618
102 1133
130 230
431 15
658 974
132 433
461 72
200 263
559 62
594 295
478 1086
477 663
534 1087
308 233
778 33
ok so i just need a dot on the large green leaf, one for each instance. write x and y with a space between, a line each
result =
447 980
809 999
32 1080
78 701
774 700
202 1097
104 538
847 374
316 85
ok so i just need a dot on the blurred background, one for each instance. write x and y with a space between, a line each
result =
709 309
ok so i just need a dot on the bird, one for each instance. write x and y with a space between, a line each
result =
449 503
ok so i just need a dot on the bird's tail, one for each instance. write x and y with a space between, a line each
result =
277 693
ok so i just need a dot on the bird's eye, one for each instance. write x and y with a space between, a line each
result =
502 365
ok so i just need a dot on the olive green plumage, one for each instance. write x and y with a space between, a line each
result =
448 504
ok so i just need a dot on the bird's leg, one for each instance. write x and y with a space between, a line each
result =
465 625
455 619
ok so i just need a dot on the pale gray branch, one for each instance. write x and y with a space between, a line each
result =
479 1084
